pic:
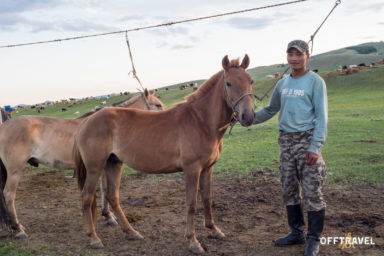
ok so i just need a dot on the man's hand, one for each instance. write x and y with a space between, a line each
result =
311 158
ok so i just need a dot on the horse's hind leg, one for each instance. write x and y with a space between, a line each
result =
9 196
110 218
206 196
89 216
113 173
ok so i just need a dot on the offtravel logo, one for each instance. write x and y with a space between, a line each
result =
348 241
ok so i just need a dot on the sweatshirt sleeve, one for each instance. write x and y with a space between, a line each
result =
269 111
320 104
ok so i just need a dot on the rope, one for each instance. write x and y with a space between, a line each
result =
152 26
133 71
310 41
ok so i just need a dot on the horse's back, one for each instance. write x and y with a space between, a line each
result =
47 139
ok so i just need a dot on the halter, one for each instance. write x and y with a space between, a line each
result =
234 120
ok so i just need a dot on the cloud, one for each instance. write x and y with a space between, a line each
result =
168 31
19 6
181 46
249 23
83 26
131 18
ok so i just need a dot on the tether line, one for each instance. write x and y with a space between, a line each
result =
152 26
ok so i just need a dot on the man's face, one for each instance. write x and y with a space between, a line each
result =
296 59
8 112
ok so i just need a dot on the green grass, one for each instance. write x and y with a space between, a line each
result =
8 249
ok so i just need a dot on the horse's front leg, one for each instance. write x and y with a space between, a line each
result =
105 211
9 196
191 176
206 197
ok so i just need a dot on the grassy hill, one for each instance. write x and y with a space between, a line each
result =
329 61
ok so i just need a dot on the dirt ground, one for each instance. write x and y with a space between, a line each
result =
248 210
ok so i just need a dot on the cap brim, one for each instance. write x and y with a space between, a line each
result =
296 47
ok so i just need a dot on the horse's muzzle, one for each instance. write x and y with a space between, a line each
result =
246 117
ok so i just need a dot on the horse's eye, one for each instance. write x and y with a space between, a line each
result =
228 84
251 81
158 105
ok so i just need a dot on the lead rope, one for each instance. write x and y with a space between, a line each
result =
312 37
134 74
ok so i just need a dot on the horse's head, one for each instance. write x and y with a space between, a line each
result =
153 102
238 89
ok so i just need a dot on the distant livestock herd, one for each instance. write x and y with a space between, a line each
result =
342 70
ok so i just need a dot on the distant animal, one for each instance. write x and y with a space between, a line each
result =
182 87
63 109
348 71
315 70
345 67
166 88
339 70
47 140
277 74
270 76
329 74
127 136
32 107
362 65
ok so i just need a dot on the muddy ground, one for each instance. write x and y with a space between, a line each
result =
247 209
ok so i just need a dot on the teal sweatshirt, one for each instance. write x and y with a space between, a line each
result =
303 105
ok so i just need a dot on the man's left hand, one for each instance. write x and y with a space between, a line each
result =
311 158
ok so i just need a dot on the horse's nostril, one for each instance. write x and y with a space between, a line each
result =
242 116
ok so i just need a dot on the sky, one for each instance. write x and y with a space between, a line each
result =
162 56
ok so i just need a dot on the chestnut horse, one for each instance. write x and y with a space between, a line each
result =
46 140
158 142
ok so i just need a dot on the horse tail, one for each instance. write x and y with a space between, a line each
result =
81 175
4 218
80 170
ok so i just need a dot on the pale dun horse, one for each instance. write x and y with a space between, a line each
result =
186 138
46 140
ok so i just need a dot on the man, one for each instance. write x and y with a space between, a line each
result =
301 99
8 111
4 116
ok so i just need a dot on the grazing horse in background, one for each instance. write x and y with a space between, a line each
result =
46 140
158 142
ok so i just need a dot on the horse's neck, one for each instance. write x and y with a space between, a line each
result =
214 110
132 103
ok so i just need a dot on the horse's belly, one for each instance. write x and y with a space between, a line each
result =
151 163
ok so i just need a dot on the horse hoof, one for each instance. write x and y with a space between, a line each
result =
97 245
196 249
134 236
112 223
21 235
217 235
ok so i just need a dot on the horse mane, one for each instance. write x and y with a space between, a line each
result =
89 113
207 85
126 102
204 88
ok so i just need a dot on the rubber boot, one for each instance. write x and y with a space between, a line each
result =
315 228
297 225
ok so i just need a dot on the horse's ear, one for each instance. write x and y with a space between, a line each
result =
245 62
225 63
146 93
151 92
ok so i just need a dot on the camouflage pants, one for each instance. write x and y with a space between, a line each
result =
298 179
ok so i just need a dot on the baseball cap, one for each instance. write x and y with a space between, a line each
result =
299 45
8 108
